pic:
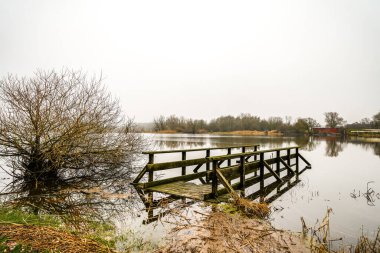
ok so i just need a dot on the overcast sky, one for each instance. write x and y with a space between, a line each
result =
203 59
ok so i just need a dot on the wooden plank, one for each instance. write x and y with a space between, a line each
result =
242 172
140 175
183 189
175 164
150 172
195 149
202 180
286 166
224 181
207 165
229 160
229 172
254 180
197 168
303 170
233 172
271 171
303 159
183 159
171 180
297 162
288 160
214 179
261 175
278 163
269 188
248 182
226 157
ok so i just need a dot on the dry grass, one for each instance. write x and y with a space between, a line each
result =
166 132
366 245
251 208
251 133
320 241
41 238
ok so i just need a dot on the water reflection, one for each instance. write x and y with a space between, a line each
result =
97 199
334 145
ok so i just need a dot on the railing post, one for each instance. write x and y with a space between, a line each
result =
184 167
278 168
288 158
229 160
261 171
278 162
150 194
255 156
150 173
242 174
214 186
207 165
297 160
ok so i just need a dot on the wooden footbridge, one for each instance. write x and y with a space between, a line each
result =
212 178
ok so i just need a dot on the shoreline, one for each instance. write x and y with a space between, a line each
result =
272 133
237 133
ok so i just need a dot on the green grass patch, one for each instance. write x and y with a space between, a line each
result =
228 208
16 216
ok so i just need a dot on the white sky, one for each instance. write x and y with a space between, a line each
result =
203 59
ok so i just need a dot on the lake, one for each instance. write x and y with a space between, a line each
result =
343 171
345 176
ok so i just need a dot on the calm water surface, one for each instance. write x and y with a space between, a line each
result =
342 171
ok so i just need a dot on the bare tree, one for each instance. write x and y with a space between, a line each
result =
64 130
333 119
376 119
159 123
311 124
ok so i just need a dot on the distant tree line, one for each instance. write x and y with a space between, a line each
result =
366 123
179 124
230 123
246 121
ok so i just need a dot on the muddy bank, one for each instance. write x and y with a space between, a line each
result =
222 232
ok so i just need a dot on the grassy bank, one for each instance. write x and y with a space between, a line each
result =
239 226
21 231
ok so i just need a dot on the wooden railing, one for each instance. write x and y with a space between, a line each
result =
226 174
151 166
250 168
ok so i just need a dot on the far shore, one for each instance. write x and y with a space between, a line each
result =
240 133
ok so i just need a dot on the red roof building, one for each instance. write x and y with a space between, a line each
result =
326 130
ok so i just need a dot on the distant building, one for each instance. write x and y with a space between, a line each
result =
326 131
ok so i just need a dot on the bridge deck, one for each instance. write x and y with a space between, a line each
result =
183 189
